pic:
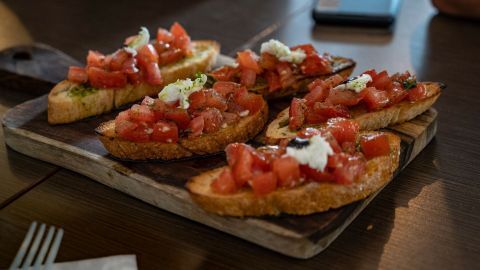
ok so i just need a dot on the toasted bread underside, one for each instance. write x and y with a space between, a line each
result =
399 113
341 66
65 107
305 199
243 130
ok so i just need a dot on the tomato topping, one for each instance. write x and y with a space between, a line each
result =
225 73
327 111
77 74
164 36
141 113
264 183
225 88
96 59
137 132
179 116
152 74
196 126
396 94
248 60
232 152
344 97
285 74
349 172
242 168
147 54
212 120
287 170
297 113
375 145
343 130
319 91
224 184
417 93
182 39
251 102
106 79
197 100
166 132
307 48
375 99
273 81
381 81
315 175
268 61
315 65
170 56
118 58
371 72
215 100
248 77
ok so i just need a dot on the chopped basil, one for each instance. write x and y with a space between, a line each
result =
410 83
81 91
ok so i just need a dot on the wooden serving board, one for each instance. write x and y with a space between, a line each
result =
75 147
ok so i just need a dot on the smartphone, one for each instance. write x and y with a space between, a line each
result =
379 13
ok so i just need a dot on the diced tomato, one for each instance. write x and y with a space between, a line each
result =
296 112
344 97
159 108
77 74
273 81
251 102
315 65
264 183
337 160
396 94
233 151
312 117
375 145
330 111
137 132
343 130
125 115
197 100
224 88
152 74
118 58
106 79
308 133
287 170
166 132
162 46
212 120
268 61
129 66
242 168
163 35
307 48
381 81
417 93
124 126
349 147
334 80
225 73
260 162
179 116
182 39
248 77
315 175
215 100
170 56
135 78
285 74
319 91
224 184
349 172
96 59
371 72
141 113
248 60
375 99
147 54
196 126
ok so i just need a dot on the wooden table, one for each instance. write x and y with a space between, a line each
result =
428 217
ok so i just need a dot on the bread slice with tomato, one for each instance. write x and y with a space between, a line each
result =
275 179
187 119
139 69
281 71
378 101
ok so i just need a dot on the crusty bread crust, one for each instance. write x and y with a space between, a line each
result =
302 200
243 130
399 113
341 66
63 108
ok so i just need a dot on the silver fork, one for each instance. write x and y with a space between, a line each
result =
27 263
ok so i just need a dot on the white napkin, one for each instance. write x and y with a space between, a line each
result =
118 262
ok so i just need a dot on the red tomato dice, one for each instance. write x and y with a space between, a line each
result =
319 91
212 120
135 78
233 151
170 56
147 54
224 184
225 73
248 60
251 102
225 88
381 81
375 99
242 168
118 58
349 172
165 132
215 100
344 97
327 111
179 116
315 175
248 77
273 81
268 61
285 74
417 93
197 100
396 94
137 132
77 74
106 79
315 65
307 48
152 74
124 126
343 130
375 145
141 113
287 170
264 183
96 59
297 111
196 126
182 39
159 108
163 35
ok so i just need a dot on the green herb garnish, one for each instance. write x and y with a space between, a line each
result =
81 91
410 83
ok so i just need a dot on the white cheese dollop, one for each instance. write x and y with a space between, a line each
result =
181 90
282 52
140 40
315 155
356 84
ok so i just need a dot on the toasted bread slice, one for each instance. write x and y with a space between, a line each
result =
302 200
399 113
243 130
69 102
341 66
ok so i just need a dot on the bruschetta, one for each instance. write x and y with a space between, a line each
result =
139 69
281 71
313 172
374 100
186 119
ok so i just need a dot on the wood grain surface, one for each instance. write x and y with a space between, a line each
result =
428 218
